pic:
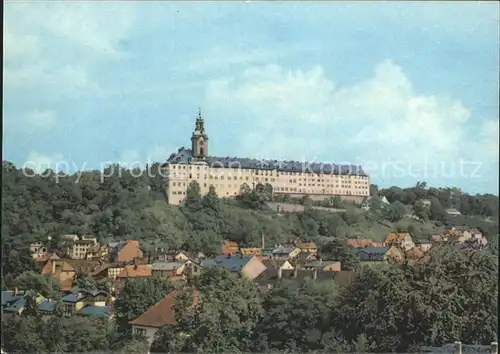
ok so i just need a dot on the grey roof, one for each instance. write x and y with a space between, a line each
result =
7 296
47 306
185 156
116 246
97 311
82 295
371 253
166 265
17 304
233 263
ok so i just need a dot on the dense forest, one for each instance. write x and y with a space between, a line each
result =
451 296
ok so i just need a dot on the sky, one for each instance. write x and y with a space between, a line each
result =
407 90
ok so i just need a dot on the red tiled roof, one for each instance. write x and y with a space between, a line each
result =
360 242
395 236
133 271
162 313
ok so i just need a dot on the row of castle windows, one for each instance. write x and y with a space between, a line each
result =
272 173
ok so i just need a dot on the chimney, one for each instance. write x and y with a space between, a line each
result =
457 348
16 290
279 273
494 348
295 272
315 274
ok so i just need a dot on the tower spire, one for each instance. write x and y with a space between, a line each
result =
199 113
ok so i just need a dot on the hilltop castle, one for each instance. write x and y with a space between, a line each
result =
228 174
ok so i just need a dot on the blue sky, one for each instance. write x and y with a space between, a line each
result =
408 90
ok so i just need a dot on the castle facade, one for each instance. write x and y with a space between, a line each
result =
227 174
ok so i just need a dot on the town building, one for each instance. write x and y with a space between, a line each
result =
124 251
158 316
81 246
249 267
228 174
402 240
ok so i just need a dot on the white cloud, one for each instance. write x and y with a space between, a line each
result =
38 35
381 119
39 118
39 163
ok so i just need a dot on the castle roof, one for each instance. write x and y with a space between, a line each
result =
185 156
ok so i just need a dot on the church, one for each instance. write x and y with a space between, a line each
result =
227 174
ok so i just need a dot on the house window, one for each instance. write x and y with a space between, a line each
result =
140 332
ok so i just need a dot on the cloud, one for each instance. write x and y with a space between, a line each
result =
384 119
42 119
39 163
53 48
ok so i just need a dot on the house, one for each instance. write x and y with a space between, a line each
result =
306 246
158 316
284 265
304 257
267 280
60 270
321 265
248 266
47 308
285 252
452 212
230 247
169 270
38 250
462 233
109 271
162 255
97 312
372 255
366 203
134 271
124 251
360 242
73 303
472 244
438 238
402 240
14 302
423 245
80 247
98 252
247 251
183 256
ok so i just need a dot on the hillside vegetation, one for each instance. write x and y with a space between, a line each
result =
123 206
